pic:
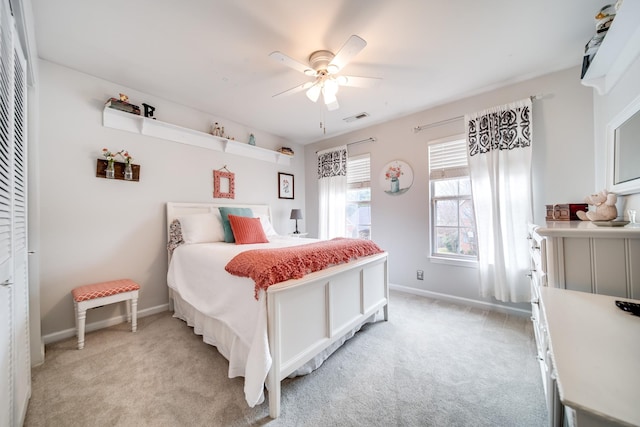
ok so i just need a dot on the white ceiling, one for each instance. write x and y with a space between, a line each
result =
213 55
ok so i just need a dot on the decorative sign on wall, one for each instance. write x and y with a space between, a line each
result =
396 178
223 184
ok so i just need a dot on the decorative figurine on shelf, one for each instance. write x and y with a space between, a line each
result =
124 98
148 110
215 129
252 139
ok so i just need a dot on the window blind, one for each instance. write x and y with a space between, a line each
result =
359 171
448 159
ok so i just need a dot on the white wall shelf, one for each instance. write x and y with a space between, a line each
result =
620 47
145 126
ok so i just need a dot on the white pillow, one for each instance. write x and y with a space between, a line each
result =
266 226
202 228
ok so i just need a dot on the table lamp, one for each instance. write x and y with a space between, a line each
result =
296 214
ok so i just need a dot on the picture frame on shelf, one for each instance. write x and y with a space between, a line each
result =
223 184
285 186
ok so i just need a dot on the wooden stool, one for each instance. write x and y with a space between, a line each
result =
99 294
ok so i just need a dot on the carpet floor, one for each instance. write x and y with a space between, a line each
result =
433 363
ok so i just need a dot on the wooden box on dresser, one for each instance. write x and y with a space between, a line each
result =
578 256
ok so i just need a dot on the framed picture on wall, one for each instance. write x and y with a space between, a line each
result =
285 186
223 184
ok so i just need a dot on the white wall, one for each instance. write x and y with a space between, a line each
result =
94 229
607 107
563 163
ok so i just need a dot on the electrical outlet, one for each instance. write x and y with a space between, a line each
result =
420 275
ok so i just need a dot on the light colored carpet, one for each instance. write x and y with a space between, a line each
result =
432 364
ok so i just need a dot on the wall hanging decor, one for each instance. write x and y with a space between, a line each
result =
224 184
396 178
285 186
111 169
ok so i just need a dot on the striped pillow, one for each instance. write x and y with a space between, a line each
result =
247 230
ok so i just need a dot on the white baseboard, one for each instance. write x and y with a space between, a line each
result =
464 301
68 333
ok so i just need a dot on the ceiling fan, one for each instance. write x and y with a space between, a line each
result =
323 66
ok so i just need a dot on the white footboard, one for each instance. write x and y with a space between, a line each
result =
308 315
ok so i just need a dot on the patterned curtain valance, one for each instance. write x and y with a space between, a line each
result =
332 162
500 128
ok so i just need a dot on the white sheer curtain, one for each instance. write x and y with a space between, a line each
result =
332 190
499 148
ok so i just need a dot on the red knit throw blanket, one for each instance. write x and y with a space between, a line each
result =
269 266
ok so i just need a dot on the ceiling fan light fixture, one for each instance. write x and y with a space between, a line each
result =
314 93
328 95
332 68
323 66
330 87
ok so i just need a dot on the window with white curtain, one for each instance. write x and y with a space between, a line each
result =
332 192
358 212
453 228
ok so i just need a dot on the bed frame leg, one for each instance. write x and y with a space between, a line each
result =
385 310
274 396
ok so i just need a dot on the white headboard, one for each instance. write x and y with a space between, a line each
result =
178 209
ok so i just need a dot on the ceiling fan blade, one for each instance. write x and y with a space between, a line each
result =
296 89
290 62
350 49
357 81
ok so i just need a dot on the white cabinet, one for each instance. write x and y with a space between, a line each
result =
577 256
594 349
584 257
538 276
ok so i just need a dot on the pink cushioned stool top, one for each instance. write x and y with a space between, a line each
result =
104 289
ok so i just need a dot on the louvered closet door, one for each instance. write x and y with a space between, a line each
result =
15 370
6 253
22 364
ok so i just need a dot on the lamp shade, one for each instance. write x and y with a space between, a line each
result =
296 214
314 92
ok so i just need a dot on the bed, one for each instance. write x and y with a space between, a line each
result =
287 330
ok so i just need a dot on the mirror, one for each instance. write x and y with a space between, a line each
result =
623 174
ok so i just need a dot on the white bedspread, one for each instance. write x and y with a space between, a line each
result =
197 273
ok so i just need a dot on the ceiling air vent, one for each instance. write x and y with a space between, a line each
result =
356 117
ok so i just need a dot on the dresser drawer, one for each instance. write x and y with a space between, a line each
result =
538 252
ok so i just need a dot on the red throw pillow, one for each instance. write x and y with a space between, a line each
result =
247 230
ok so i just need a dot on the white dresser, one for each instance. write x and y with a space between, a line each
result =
577 256
538 276
595 350
584 257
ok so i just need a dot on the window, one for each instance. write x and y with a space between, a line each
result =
453 228
358 215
